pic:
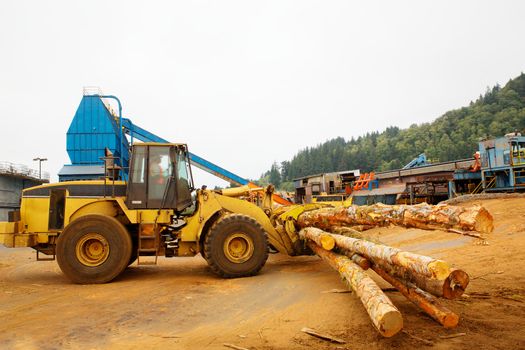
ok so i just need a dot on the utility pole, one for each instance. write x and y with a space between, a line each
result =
39 160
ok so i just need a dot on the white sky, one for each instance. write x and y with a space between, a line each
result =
247 83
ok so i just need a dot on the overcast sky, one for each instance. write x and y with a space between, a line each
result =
247 83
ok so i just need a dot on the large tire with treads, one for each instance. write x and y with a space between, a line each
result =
93 249
236 246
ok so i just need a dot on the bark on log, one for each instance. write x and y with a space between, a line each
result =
384 315
346 231
433 275
359 261
424 300
424 216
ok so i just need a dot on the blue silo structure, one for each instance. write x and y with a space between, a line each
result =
93 128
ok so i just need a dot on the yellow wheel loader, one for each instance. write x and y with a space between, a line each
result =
95 229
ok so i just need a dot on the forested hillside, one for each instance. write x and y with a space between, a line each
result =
454 135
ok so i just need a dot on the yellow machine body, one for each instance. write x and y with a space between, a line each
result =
33 227
96 228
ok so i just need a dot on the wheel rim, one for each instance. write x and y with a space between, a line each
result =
92 249
238 247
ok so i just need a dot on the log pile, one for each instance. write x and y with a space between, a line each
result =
419 278
333 234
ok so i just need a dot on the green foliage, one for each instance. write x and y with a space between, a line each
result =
287 186
454 135
275 175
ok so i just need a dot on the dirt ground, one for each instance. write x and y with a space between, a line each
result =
180 304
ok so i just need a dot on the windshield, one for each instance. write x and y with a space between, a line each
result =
184 182
182 166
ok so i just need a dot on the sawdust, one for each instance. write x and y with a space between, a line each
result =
182 305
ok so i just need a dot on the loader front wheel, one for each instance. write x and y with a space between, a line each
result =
236 246
93 249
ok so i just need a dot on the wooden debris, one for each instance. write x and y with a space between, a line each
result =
336 291
424 341
480 295
424 300
465 233
165 336
232 346
384 315
450 336
323 336
488 273
424 216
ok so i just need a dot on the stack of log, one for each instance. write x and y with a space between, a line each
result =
421 279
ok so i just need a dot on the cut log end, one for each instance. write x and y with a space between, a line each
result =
455 284
327 242
450 320
439 269
390 324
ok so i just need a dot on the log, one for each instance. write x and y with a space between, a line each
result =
424 216
321 238
359 260
451 287
433 275
427 302
384 315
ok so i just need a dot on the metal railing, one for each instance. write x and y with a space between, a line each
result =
92 90
22 170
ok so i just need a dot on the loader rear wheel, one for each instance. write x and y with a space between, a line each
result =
93 249
236 246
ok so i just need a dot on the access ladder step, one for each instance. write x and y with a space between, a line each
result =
148 250
147 237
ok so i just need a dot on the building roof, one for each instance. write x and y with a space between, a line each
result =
81 170
333 172
391 189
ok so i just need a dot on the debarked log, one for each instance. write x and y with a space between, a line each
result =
424 300
384 315
424 216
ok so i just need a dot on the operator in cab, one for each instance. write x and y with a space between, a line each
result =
158 171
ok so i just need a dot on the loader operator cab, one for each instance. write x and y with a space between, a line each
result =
159 177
